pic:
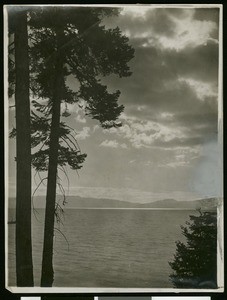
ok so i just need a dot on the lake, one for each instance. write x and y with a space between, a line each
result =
108 247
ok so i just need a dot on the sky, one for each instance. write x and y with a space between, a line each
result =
168 145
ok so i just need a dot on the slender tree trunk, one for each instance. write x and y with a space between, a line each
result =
24 267
47 276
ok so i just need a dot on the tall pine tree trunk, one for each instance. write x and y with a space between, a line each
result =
24 267
47 276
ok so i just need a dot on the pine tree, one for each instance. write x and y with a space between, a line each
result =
72 41
19 85
195 262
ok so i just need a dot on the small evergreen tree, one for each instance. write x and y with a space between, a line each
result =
195 262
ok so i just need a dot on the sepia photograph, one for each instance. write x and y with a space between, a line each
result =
113 143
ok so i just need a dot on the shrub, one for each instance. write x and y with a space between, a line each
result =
195 262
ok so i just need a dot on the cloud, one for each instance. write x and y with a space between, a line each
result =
189 32
123 146
170 28
161 22
95 127
173 89
170 109
157 77
142 133
113 144
173 158
202 89
168 129
182 105
80 119
83 134
199 62
207 14
136 11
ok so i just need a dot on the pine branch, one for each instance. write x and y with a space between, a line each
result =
58 230
75 142
66 175
66 142
38 186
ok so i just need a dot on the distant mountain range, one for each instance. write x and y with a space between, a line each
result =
79 202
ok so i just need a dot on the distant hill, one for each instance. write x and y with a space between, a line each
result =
77 201
80 202
204 204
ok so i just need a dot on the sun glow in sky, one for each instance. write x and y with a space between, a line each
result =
167 146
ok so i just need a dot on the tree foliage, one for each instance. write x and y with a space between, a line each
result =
70 42
89 52
195 262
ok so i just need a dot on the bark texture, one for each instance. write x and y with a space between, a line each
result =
47 276
24 265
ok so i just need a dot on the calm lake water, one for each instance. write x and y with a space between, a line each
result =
108 248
